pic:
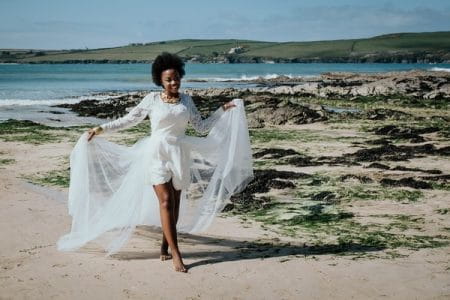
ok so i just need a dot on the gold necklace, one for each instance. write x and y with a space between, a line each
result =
168 99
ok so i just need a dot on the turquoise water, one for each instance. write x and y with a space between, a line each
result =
51 84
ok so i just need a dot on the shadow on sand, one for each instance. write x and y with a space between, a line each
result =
211 250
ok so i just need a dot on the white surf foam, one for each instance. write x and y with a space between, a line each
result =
48 102
242 78
440 69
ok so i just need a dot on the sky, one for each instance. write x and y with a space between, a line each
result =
80 24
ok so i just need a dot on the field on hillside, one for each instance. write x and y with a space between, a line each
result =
410 46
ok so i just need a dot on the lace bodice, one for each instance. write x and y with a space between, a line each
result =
166 118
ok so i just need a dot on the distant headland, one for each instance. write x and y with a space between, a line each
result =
427 47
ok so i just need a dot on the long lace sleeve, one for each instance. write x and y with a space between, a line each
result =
195 119
136 115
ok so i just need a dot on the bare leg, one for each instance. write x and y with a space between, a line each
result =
165 245
166 208
176 210
165 249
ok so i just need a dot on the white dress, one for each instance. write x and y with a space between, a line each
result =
111 189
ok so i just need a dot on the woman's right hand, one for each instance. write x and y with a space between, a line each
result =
91 134
93 131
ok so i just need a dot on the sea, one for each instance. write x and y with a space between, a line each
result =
29 91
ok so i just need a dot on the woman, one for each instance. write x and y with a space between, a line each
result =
109 190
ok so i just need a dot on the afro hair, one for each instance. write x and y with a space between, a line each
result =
166 61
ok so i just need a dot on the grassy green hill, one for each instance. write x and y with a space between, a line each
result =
399 47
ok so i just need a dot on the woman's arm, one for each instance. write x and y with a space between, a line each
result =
136 115
204 125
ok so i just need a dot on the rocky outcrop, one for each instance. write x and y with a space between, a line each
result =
266 110
278 101
417 84
114 106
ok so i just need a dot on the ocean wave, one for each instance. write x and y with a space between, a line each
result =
242 78
32 102
440 69
48 102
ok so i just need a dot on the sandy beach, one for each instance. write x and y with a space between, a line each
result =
327 218
228 262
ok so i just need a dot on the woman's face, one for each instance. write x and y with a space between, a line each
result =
171 81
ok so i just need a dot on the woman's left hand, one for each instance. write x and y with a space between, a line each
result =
228 105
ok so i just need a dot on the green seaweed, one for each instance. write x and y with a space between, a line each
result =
382 238
316 214
33 133
320 223
267 135
36 138
60 178
445 186
320 183
405 222
7 161
12 126
443 211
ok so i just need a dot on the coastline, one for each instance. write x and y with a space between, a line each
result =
345 204
389 48
338 90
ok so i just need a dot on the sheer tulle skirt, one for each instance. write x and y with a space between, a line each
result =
111 189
